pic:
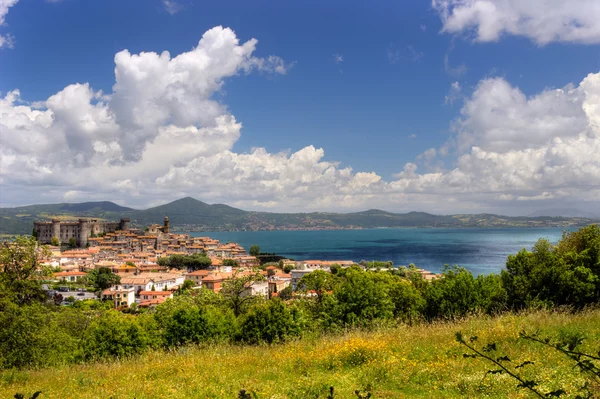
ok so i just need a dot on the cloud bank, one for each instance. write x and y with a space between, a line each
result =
160 135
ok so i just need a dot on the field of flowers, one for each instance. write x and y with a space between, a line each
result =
422 361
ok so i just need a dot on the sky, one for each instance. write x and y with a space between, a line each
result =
443 106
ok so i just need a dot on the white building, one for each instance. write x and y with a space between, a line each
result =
119 295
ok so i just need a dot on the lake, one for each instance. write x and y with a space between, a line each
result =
482 251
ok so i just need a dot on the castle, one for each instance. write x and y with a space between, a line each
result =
80 230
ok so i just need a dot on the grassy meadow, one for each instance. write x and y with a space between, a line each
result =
422 361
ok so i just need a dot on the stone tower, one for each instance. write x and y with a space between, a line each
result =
56 229
166 225
84 232
124 225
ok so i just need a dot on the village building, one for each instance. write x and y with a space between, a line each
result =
153 298
71 277
120 296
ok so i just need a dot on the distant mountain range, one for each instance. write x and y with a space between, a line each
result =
189 214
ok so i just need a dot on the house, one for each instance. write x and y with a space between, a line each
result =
153 298
71 276
138 284
258 288
119 295
214 280
278 285
145 281
197 276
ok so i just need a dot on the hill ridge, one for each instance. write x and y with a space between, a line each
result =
191 214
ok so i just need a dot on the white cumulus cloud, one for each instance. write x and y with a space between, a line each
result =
542 21
5 40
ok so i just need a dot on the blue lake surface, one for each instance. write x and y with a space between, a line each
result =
482 251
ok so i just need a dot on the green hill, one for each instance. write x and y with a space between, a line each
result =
189 214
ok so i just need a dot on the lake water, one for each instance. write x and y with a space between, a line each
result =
482 251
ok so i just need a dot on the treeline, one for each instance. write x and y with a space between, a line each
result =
35 333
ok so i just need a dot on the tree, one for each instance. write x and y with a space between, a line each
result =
319 282
565 274
270 322
286 293
72 242
186 262
230 262
288 268
235 290
254 250
454 295
103 278
55 242
114 334
361 299
20 271
187 286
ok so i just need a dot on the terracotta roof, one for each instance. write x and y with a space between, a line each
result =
158 293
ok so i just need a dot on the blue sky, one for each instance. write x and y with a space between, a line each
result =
369 84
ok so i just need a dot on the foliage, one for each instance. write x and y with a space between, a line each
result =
115 334
20 271
231 262
254 250
186 262
55 242
566 274
235 290
192 320
270 322
31 337
103 278
360 300
72 243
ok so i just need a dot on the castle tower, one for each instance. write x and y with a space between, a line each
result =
124 225
84 232
166 225
56 229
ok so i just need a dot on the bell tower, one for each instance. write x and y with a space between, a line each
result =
166 225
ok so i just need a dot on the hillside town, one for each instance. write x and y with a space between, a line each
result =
134 255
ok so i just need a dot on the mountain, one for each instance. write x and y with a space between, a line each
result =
564 212
189 214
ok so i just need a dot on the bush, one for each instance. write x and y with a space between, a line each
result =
270 322
114 334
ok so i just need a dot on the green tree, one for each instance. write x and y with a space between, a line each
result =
286 293
72 242
31 337
453 295
254 250
319 282
55 242
361 299
565 274
103 278
115 334
20 272
235 290
230 262
270 322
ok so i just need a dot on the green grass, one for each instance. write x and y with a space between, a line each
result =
422 361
